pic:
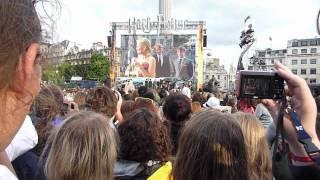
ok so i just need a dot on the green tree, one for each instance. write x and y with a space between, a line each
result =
66 70
52 76
99 67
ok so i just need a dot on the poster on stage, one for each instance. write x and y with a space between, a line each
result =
158 56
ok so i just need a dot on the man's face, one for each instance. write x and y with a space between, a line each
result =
181 53
159 50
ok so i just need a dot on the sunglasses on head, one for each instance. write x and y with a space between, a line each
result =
143 99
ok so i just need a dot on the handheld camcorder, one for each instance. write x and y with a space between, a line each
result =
261 84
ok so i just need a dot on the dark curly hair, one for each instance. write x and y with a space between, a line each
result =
143 137
177 107
102 100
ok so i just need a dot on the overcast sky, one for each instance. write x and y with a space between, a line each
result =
87 21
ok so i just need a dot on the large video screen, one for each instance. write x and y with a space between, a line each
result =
157 56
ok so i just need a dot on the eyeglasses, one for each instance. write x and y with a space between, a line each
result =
137 99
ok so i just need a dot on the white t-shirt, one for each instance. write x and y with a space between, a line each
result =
186 91
6 174
25 139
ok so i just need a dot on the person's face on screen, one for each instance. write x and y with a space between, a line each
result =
181 53
140 48
159 50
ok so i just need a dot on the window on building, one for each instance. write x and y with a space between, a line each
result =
313 43
304 43
313 71
272 61
280 60
303 61
295 44
294 62
304 51
294 51
313 81
313 61
303 71
218 76
294 71
313 50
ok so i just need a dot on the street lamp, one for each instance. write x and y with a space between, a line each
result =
246 41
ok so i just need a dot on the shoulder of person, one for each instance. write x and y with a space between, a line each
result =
6 174
187 60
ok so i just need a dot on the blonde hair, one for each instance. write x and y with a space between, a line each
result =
85 147
146 43
259 155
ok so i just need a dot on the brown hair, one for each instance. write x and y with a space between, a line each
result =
258 152
233 103
211 146
85 147
58 96
196 107
141 102
143 137
103 100
20 26
126 108
80 99
198 97
45 109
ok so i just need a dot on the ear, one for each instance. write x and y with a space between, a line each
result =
25 67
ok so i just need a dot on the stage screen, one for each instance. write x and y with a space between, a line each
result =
158 56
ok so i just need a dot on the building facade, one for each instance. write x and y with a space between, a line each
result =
303 58
213 69
264 60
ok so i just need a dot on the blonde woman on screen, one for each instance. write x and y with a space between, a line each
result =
145 63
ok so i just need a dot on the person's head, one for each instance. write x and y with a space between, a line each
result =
152 94
20 61
45 109
177 107
80 99
141 102
143 137
211 146
127 97
158 48
144 47
258 152
85 147
107 82
142 90
45 105
232 102
57 92
198 97
103 100
181 52
196 107
212 102
126 108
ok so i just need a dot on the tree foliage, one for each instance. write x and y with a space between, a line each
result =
97 69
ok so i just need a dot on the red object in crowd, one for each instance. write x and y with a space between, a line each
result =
244 106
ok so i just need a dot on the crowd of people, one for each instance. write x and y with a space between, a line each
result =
153 134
